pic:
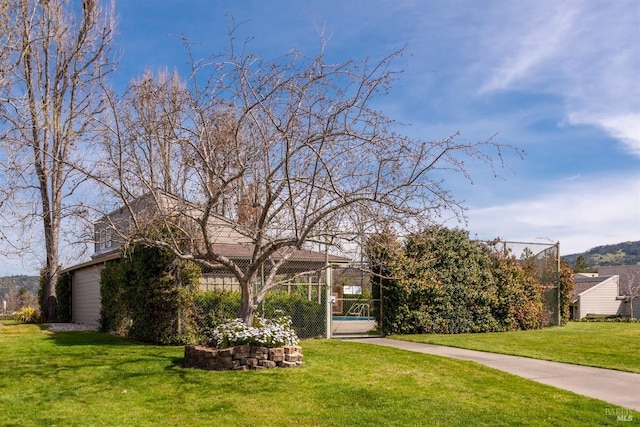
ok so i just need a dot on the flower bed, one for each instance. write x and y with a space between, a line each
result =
233 345
242 357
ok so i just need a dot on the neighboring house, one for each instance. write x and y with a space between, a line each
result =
595 295
111 231
629 277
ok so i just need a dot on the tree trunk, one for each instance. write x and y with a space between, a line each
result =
247 310
51 232
248 304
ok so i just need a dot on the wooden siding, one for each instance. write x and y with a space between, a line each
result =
85 295
149 208
600 299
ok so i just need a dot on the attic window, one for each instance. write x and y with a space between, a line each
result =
104 239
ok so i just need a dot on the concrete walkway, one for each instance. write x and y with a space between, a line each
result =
618 388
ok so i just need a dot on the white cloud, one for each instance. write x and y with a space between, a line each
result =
579 214
624 127
584 52
530 41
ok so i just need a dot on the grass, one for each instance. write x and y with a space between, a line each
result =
609 345
88 378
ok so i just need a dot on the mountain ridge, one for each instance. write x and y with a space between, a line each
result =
624 253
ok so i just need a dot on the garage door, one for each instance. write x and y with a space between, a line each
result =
85 295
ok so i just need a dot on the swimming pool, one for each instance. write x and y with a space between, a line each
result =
352 318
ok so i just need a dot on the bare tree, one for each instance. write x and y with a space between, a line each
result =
55 59
290 152
633 282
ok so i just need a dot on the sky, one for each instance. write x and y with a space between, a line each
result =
559 80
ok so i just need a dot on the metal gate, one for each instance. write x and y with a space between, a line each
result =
353 308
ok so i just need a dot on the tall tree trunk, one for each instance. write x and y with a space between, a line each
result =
49 305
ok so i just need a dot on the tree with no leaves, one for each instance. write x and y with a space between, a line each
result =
54 61
290 152
633 281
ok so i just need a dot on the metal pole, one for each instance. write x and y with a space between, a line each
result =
558 275
380 307
327 278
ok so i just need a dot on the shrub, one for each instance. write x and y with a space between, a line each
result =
308 317
63 293
149 296
114 312
214 307
567 284
608 318
28 315
440 281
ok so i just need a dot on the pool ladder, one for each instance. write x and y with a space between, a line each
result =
358 309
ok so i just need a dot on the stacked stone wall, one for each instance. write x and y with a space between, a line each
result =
242 357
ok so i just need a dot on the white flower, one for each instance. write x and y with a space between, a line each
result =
269 333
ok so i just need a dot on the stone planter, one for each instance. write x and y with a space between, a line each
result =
242 357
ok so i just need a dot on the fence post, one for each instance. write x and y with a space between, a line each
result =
328 280
558 281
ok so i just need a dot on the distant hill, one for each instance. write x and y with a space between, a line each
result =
10 285
626 253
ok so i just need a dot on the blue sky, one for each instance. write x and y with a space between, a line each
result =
559 80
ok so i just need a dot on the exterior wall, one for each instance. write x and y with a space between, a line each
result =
85 295
625 309
628 275
110 231
636 308
601 299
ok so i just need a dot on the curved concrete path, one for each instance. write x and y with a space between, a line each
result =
616 387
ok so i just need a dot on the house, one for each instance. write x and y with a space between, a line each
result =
607 292
112 230
629 280
595 295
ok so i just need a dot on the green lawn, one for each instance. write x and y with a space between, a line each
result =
87 378
603 344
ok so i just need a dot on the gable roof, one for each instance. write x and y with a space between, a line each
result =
584 284
235 246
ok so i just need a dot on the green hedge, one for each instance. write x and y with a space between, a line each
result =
308 317
148 296
440 281
212 308
608 318
63 293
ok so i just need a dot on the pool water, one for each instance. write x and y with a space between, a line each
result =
352 318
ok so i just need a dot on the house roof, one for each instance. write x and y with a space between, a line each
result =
236 252
98 260
583 284
238 249
245 251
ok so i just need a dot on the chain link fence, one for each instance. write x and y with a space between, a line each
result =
300 294
543 261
